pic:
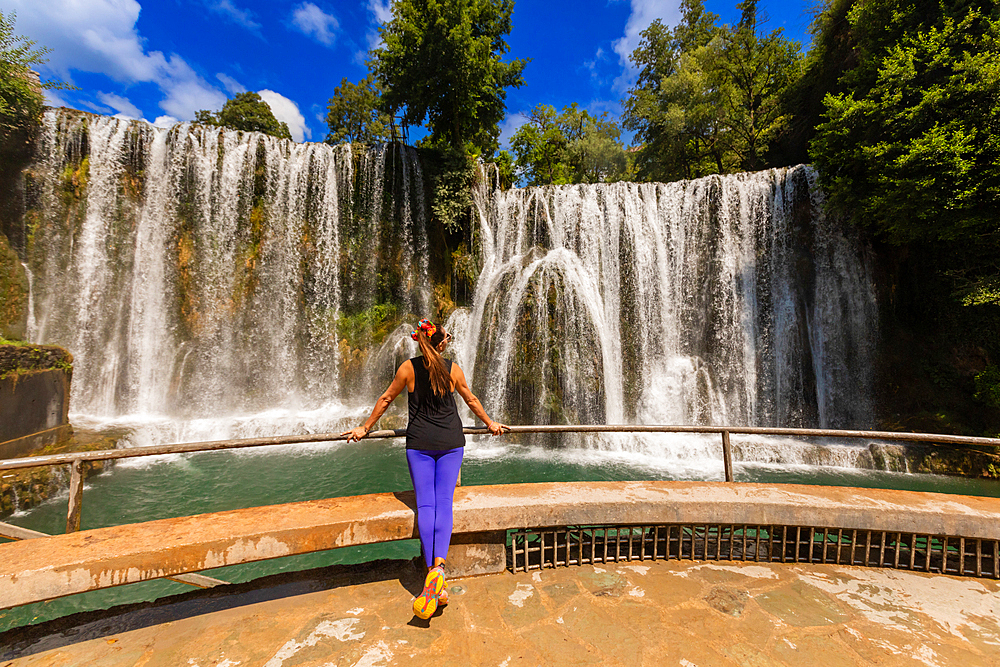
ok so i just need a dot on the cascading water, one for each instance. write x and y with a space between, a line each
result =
724 300
198 273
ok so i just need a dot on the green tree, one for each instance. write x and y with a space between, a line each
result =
247 112
568 147
674 107
541 148
708 98
21 98
354 115
913 147
756 71
441 62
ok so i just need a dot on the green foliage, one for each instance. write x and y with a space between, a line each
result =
568 147
247 112
21 358
756 71
988 386
464 265
369 327
830 56
912 148
353 114
504 162
451 176
709 98
440 62
21 97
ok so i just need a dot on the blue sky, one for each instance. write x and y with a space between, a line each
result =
162 60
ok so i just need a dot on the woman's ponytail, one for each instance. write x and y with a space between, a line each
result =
428 337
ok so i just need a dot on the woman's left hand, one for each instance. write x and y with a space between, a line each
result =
496 428
355 433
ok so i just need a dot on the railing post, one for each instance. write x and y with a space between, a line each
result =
727 456
75 497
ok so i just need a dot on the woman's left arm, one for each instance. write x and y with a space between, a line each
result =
403 375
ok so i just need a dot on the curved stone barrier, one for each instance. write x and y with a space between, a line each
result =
44 568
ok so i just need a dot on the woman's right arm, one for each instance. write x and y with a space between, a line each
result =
403 376
462 387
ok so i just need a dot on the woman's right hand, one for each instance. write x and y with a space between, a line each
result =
355 433
496 428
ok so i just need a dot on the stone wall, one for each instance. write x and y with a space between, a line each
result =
34 397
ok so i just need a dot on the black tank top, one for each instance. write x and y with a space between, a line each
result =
434 422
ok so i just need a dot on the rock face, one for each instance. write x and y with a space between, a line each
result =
13 293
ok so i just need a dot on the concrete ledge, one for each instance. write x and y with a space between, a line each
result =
31 401
31 443
50 567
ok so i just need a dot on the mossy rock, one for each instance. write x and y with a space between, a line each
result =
18 358
13 293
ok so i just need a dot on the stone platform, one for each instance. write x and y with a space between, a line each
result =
640 613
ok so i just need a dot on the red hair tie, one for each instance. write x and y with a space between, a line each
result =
426 326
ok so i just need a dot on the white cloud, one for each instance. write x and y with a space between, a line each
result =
186 92
233 87
53 99
100 36
509 127
288 112
165 121
120 104
315 23
96 36
95 107
381 11
239 16
643 13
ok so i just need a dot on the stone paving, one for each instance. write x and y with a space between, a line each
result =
639 613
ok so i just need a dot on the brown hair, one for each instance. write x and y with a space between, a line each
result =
439 376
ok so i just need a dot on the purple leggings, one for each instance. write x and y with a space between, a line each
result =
434 474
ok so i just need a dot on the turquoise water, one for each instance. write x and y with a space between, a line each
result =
180 485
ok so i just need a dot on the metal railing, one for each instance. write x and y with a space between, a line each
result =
535 549
76 459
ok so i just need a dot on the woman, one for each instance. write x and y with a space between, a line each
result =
435 445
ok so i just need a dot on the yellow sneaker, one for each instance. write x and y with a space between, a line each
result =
426 603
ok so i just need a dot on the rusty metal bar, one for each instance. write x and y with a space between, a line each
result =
797 540
979 558
75 497
187 448
727 456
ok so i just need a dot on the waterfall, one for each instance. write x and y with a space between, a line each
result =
723 300
30 325
198 272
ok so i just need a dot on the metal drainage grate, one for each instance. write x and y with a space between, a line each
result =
534 549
